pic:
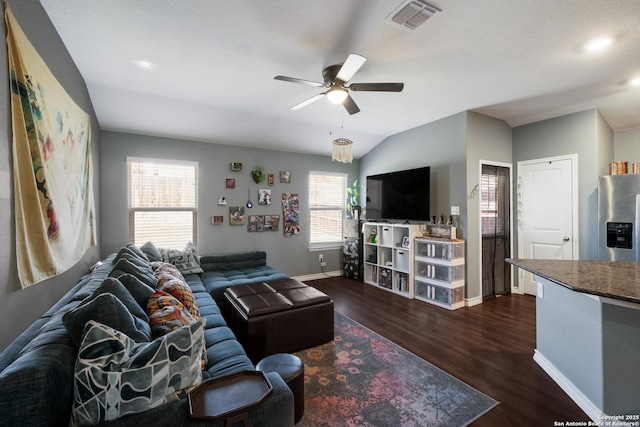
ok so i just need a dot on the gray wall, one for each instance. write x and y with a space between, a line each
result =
589 136
19 308
440 145
288 254
488 140
453 148
627 146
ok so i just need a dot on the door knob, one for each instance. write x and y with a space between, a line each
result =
566 239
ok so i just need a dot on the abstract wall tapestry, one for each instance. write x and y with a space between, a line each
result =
52 168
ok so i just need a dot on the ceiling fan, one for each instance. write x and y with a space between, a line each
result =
336 78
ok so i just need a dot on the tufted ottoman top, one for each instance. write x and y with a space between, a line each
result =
257 299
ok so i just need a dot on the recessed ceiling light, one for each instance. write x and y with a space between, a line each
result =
598 44
147 65
634 81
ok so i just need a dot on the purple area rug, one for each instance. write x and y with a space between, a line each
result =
363 379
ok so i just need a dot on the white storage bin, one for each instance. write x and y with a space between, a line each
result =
386 235
403 260
448 250
443 273
440 294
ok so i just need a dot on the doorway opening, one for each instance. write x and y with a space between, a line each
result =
495 212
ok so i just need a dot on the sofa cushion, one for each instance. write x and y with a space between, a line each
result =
107 309
217 281
152 253
114 376
111 285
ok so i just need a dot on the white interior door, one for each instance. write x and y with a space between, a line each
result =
547 212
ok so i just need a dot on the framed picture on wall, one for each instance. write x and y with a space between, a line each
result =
230 183
236 166
285 176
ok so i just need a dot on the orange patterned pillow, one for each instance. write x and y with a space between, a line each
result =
182 292
166 314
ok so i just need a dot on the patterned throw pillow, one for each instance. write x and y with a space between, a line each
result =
186 261
114 376
182 292
166 314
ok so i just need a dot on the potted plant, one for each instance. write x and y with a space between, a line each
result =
258 174
353 199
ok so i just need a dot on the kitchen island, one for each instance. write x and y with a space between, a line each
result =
588 333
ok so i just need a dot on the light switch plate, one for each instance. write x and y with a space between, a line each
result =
455 210
540 290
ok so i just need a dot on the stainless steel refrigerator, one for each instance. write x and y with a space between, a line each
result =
618 217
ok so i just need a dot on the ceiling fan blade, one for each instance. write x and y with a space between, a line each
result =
307 102
350 66
377 87
350 105
304 82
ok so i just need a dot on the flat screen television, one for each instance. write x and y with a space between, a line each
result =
401 195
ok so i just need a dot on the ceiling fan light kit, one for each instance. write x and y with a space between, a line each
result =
336 95
336 78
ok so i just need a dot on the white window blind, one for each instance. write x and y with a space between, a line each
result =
493 202
327 200
162 202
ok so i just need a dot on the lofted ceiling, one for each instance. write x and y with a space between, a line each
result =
214 62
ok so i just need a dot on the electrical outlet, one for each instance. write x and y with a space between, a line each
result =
321 257
540 290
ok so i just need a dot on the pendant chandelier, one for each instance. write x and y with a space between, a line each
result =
342 150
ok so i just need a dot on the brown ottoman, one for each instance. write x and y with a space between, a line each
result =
279 316
291 369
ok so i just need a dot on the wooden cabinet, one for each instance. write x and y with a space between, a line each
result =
439 276
388 255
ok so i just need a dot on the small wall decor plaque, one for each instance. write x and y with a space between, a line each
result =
230 183
236 166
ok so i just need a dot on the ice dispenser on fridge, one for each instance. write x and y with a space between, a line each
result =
618 217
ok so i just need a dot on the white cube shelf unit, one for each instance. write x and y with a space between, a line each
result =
439 271
388 257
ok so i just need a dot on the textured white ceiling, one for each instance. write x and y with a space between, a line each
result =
517 60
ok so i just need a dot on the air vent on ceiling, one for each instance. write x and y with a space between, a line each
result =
411 14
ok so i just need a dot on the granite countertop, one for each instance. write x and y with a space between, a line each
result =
618 280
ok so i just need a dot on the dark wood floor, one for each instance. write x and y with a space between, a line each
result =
489 346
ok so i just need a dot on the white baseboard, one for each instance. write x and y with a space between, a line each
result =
316 276
470 302
565 384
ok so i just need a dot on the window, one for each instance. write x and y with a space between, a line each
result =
162 202
327 199
495 201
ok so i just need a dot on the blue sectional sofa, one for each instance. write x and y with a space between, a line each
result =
37 369
226 270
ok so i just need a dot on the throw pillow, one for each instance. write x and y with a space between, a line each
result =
166 313
111 285
186 261
115 376
151 251
109 310
182 292
140 291
166 269
136 250
144 273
